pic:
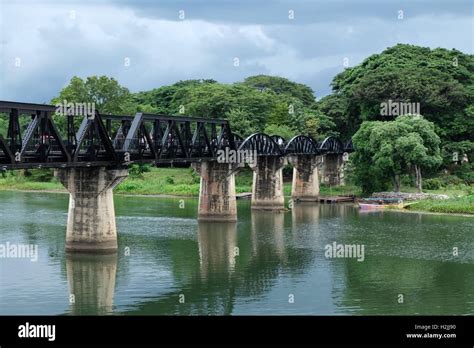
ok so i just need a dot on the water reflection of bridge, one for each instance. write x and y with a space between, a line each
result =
229 264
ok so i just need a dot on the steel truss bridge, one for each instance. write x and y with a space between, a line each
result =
37 138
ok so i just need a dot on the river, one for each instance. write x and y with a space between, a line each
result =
266 263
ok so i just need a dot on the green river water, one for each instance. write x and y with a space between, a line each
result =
266 263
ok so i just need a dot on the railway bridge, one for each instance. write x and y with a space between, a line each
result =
91 155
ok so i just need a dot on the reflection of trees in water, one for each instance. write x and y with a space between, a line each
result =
91 280
373 286
410 256
212 277
216 276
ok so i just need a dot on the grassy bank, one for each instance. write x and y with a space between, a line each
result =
25 184
458 205
185 182
166 181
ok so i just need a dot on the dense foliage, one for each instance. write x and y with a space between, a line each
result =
106 93
386 150
440 80
259 103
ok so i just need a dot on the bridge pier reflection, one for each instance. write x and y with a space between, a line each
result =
268 226
91 280
305 213
217 247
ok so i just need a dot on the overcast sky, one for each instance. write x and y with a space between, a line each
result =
145 44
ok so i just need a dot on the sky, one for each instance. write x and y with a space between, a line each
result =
146 44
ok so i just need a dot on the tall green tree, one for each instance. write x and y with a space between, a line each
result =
105 92
440 80
386 150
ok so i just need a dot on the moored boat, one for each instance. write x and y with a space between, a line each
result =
377 203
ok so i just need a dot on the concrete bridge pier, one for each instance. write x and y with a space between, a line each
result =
305 185
331 169
267 187
217 200
91 218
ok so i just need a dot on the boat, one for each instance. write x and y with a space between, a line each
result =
377 203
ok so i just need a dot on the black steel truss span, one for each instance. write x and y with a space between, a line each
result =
33 139
276 145
263 144
303 145
331 145
37 137
164 138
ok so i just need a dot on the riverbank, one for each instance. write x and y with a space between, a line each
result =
456 205
184 182
156 181
454 201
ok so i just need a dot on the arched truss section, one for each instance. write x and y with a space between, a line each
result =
349 147
263 144
331 145
302 145
281 142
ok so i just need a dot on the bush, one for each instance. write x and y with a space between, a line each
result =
451 180
145 168
433 184
183 189
169 180
137 170
129 186
195 178
465 172
134 171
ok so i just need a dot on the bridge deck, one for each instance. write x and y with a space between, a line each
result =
46 136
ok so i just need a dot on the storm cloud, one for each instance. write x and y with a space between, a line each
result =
147 44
